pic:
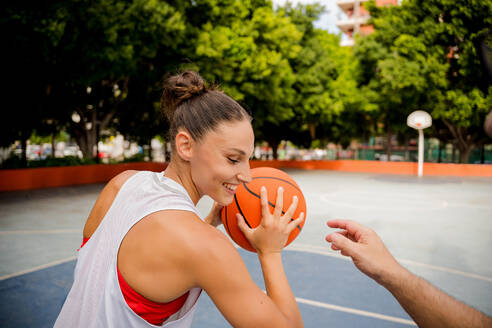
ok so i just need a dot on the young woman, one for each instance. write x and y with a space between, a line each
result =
149 255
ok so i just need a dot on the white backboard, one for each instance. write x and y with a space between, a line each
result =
419 120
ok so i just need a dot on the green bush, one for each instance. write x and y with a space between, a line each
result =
140 157
14 162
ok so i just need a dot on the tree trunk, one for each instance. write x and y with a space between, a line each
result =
274 144
86 140
439 158
453 154
407 153
465 154
53 144
365 143
95 125
86 131
150 150
464 141
23 149
388 141
312 130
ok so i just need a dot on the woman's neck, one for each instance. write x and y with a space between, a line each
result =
179 171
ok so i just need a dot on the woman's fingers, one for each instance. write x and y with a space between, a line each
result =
291 210
243 226
265 211
279 204
293 224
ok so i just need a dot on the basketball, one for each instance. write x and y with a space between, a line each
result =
247 202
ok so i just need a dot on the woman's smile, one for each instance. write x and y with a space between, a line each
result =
230 188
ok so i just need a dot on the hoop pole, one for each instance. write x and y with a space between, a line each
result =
421 152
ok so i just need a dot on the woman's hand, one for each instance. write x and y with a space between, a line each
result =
274 229
213 218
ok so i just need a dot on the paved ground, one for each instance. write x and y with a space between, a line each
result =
439 228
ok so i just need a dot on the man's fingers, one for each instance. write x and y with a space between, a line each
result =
346 234
352 227
342 243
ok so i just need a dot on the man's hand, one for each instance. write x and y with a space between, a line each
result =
213 218
428 306
366 249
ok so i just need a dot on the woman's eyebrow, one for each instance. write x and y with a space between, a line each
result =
238 151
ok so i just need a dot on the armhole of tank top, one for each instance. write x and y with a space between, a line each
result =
115 263
110 207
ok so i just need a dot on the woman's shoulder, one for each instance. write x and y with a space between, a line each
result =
119 180
104 201
189 231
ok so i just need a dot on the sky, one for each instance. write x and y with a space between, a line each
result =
328 20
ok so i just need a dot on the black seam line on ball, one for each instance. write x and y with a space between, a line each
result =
286 181
269 203
227 222
240 211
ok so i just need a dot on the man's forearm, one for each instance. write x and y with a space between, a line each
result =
429 306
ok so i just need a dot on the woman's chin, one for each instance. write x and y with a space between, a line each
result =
223 201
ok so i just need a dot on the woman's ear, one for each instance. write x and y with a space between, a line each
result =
184 143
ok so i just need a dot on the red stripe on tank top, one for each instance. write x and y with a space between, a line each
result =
152 312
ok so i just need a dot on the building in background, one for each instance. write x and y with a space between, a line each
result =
357 18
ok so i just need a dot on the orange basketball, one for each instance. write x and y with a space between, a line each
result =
247 202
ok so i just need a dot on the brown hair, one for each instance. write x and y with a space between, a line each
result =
189 103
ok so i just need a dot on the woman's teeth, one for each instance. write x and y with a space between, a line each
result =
230 186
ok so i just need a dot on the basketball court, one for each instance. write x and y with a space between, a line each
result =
438 227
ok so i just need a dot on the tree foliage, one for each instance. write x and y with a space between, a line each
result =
92 66
425 55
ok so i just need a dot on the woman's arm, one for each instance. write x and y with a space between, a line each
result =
171 251
222 273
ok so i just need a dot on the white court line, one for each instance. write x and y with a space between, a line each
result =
33 232
355 311
324 251
40 267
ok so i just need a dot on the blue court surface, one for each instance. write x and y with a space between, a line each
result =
439 228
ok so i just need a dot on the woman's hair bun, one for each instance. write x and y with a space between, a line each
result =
179 88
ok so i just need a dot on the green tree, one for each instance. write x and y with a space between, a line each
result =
139 118
328 102
82 55
30 33
247 50
115 37
425 55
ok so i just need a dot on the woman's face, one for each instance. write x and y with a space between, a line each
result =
220 160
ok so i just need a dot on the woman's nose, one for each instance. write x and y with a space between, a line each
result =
245 174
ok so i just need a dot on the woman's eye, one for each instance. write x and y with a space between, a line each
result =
233 161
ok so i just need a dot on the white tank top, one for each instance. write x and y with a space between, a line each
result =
95 299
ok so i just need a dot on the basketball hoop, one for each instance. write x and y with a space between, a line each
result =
420 120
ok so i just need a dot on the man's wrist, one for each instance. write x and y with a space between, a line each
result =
393 277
